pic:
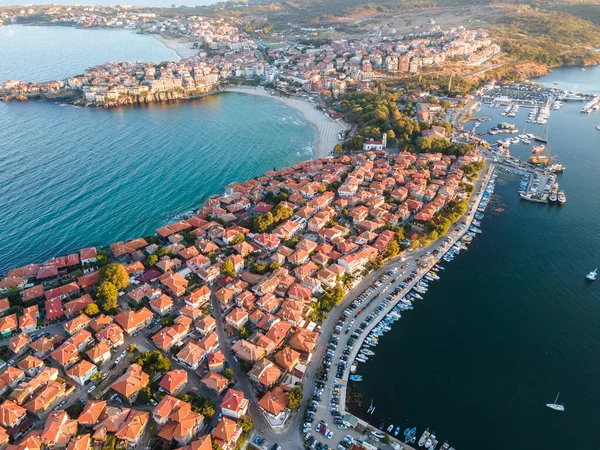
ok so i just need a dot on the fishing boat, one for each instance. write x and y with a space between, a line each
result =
355 378
592 275
556 406
353 367
424 437
598 127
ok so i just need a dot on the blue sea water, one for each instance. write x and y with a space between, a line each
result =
33 53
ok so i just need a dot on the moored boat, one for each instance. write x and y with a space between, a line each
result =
424 437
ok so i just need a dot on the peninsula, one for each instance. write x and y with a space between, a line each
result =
218 315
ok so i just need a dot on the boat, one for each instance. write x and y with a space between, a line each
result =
598 127
592 275
390 428
561 197
556 406
410 435
371 408
444 446
355 378
424 437
396 431
368 352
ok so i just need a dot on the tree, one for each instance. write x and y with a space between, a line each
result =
207 409
246 424
151 260
133 348
294 398
274 266
107 295
227 268
91 310
153 362
145 395
167 321
228 373
117 275
338 148
96 376
386 439
392 249
237 239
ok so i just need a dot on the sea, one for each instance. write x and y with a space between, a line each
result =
513 321
76 177
36 53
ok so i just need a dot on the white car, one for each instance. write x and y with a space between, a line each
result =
92 389
329 434
123 354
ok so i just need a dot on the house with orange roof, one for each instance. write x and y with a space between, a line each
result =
273 406
25 390
206 325
202 443
132 321
133 428
88 255
247 351
168 337
19 343
162 305
178 421
99 353
81 339
110 421
237 318
43 399
234 404
144 291
198 297
303 340
173 381
76 324
31 365
227 433
215 360
131 383
225 298
215 381
175 283
100 322
278 332
8 325
11 414
265 374
88 280
112 334
4 305
32 293
66 355
74 306
287 358
92 412
82 371
54 309
81 442
42 347
191 355
58 430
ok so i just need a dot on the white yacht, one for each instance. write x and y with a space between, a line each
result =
592 275
556 406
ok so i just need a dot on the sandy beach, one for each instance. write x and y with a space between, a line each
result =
182 46
327 129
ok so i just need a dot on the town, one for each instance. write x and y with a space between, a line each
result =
204 334
225 53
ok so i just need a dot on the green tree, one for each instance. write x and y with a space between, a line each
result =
386 439
392 249
91 310
294 398
132 348
107 295
207 409
227 268
338 148
117 275
153 362
274 266
228 373
97 376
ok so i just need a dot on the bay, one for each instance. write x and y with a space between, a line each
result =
513 320
37 53
74 177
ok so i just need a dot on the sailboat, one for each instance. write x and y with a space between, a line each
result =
592 275
556 406
371 409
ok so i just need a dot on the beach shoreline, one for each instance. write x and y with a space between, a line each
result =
180 45
326 128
